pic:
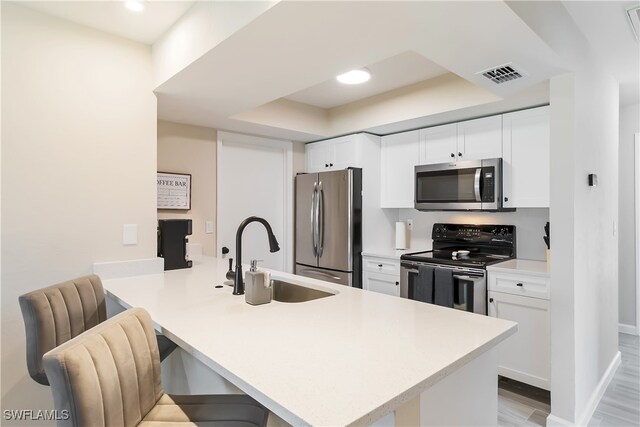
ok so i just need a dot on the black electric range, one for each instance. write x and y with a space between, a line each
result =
460 255
466 245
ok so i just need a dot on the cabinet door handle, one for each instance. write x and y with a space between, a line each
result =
506 199
330 164
380 265
490 299
397 283
453 155
326 165
519 284
459 154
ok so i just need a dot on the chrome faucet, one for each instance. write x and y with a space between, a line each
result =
238 286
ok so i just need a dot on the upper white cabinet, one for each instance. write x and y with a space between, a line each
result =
525 146
400 152
480 139
456 142
438 144
333 154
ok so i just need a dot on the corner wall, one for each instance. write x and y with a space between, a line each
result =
584 251
192 150
629 126
79 161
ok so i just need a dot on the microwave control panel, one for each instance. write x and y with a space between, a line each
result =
487 188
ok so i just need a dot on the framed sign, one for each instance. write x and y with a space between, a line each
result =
174 191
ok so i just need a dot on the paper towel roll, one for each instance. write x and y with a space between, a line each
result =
401 235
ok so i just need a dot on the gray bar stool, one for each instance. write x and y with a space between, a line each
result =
55 314
110 375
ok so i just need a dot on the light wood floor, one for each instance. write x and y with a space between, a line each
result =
521 405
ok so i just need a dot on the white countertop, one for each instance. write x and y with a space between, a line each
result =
391 253
527 266
346 359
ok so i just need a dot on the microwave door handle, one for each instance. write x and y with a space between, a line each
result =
476 184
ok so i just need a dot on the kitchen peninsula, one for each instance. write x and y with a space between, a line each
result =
346 359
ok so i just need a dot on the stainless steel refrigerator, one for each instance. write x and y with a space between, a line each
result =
329 226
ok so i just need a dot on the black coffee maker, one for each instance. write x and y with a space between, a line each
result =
172 242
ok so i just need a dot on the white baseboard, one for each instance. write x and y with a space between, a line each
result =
592 404
553 421
137 267
627 329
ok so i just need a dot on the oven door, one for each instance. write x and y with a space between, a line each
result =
474 185
470 286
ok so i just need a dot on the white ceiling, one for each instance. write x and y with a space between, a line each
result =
294 50
391 73
606 27
114 18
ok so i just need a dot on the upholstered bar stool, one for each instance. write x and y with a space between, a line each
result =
55 314
110 375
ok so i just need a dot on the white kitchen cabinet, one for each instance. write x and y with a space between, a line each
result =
518 290
383 283
438 144
458 142
525 146
400 153
525 356
381 275
480 139
333 154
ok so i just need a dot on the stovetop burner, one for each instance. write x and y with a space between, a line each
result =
486 245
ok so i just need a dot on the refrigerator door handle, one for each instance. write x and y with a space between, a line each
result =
320 274
314 198
320 218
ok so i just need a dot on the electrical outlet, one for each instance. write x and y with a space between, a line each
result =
410 224
208 227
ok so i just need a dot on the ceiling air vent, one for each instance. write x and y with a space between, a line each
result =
502 74
634 19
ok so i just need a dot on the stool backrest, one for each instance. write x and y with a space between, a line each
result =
54 315
109 375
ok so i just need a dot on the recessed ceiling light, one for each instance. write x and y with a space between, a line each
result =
134 6
354 77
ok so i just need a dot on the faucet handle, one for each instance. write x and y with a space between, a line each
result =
254 264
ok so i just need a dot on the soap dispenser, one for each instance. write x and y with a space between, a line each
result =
257 286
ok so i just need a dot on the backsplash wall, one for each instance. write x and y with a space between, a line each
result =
529 227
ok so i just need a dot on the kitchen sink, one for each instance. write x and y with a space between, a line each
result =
290 292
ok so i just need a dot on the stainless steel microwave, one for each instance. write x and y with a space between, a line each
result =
474 186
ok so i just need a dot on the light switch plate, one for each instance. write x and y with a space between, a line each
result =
130 234
209 227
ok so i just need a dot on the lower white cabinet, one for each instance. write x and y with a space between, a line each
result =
383 283
381 275
525 356
522 296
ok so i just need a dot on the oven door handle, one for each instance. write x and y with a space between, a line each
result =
476 184
468 277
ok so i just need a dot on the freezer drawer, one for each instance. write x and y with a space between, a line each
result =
339 277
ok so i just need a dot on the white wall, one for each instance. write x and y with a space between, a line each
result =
529 227
629 125
192 150
584 260
200 29
79 161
